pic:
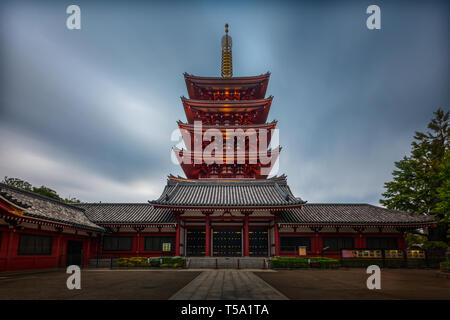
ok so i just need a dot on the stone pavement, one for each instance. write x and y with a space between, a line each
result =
343 284
228 285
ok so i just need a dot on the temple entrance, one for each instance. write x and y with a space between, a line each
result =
258 243
74 253
227 243
195 245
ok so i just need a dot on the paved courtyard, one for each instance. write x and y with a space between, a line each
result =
226 284
351 284
96 284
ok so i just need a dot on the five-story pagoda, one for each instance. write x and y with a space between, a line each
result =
227 206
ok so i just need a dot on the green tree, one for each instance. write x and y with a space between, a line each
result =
420 182
442 208
42 190
18 183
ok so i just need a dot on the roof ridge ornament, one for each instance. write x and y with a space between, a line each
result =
227 58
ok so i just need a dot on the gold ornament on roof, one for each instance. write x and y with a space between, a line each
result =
227 58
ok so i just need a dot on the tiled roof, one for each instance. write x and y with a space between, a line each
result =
41 207
104 213
190 193
318 213
218 193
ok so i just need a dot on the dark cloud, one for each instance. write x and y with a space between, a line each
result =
96 107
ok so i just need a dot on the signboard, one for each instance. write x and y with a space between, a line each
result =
302 251
166 246
367 253
393 254
416 254
347 254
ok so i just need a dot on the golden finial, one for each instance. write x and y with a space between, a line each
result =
227 58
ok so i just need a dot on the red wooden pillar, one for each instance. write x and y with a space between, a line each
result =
58 248
362 241
319 243
88 250
9 248
138 242
177 238
2 240
138 239
402 240
246 235
315 243
208 236
277 239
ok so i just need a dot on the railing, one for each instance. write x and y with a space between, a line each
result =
402 258
101 260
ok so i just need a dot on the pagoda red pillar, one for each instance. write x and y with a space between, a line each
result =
58 250
246 234
88 250
317 248
402 241
207 236
138 243
9 247
277 239
177 239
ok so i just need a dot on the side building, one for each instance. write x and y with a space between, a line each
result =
39 232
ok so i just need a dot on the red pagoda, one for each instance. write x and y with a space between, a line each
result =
233 214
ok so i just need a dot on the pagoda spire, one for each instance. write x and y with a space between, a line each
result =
227 58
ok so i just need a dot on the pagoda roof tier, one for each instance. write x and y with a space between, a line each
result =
190 127
247 112
235 88
190 194
235 170
252 157
241 130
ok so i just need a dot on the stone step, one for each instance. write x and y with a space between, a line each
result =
226 263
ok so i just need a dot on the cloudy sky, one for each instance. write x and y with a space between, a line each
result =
90 112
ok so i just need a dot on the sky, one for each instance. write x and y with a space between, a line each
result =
90 112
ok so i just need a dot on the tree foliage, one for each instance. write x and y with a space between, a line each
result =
42 190
421 181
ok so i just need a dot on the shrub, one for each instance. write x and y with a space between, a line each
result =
172 260
329 264
138 262
288 262
445 266
122 262
143 262
296 262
